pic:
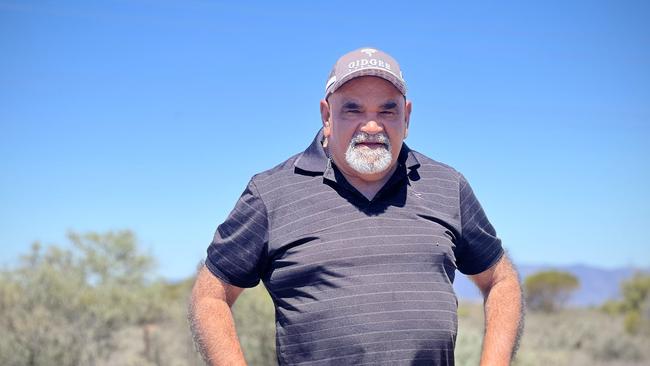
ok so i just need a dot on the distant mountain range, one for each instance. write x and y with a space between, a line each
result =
597 285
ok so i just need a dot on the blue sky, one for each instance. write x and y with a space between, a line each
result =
152 115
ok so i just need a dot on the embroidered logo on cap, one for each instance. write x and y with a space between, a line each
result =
369 51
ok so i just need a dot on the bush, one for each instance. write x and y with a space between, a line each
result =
62 306
255 321
635 305
549 290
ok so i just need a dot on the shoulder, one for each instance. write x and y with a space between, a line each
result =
284 168
433 168
280 180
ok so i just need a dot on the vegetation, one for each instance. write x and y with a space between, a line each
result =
95 303
635 306
549 290
68 306
572 336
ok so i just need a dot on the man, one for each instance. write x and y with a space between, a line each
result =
357 240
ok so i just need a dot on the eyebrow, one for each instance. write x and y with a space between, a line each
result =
389 105
351 105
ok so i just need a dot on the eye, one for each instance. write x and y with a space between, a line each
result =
353 111
387 113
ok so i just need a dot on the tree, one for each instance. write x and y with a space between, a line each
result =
635 305
549 290
63 306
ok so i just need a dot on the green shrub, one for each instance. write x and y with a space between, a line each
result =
549 290
635 305
62 306
255 321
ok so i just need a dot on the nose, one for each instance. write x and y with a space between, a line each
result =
372 127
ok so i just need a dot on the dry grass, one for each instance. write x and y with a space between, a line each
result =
567 337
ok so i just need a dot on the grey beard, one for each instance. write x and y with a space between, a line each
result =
368 161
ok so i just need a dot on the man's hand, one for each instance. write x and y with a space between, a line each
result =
211 320
504 312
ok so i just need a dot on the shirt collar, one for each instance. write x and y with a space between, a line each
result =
314 159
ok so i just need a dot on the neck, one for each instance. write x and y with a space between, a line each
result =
369 187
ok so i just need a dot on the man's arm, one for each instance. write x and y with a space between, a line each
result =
211 320
504 312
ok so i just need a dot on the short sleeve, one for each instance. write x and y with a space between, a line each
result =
479 247
238 250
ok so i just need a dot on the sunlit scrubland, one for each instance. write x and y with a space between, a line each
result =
97 303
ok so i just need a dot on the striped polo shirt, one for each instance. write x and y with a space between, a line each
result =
357 281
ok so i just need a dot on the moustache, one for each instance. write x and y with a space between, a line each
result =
362 137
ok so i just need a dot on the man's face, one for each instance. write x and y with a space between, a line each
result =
365 122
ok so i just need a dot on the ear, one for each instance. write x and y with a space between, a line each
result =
325 117
407 117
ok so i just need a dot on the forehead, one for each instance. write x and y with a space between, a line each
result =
367 88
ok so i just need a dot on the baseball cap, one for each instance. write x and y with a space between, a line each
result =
365 62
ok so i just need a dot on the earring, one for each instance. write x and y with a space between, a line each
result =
324 143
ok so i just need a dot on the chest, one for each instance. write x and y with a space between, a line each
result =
329 238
